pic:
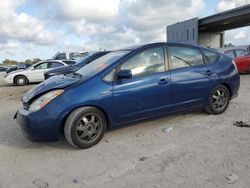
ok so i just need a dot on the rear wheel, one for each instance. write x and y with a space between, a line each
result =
85 127
21 80
218 100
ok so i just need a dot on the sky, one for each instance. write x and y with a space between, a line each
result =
40 28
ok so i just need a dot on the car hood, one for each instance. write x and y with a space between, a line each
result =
56 82
16 71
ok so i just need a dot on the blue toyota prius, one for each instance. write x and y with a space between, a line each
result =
126 86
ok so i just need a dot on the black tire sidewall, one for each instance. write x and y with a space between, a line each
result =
211 108
74 122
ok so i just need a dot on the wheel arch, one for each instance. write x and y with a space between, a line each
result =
14 78
228 87
99 108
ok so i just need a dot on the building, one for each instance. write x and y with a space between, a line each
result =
209 31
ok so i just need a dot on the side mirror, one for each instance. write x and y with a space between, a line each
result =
124 74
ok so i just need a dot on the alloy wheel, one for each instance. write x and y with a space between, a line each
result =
88 128
219 99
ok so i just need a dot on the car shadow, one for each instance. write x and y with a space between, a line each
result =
13 137
14 86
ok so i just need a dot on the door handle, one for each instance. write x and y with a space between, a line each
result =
163 81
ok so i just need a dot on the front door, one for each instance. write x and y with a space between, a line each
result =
148 92
37 74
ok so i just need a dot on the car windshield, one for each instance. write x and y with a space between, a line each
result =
101 63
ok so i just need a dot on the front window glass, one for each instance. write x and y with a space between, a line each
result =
101 63
110 76
185 57
41 66
146 63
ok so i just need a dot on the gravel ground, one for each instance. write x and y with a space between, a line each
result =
194 150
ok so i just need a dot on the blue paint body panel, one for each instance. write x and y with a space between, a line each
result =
130 100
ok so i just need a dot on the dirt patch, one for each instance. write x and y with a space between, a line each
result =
187 150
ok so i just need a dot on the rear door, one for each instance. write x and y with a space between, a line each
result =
191 78
242 60
148 92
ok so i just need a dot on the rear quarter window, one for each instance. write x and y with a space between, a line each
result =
211 57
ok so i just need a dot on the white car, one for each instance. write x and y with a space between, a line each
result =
34 73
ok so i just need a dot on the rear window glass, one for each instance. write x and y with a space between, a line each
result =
185 56
240 53
55 64
211 56
230 53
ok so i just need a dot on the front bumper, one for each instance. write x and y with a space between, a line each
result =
8 80
37 126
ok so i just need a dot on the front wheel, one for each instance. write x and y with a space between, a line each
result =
85 127
218 100
21 80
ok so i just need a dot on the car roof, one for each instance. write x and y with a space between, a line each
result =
159 43
44 61
230 49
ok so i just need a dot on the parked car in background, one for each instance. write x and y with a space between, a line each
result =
34 73
18 67
69 55
241 58
3 69
69 69
70 62
126 86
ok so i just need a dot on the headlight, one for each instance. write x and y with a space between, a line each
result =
43 100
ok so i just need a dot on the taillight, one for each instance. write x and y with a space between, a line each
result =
235 66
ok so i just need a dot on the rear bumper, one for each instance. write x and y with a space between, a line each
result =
234 96
235 86
36 126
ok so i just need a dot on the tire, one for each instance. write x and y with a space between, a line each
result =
21 80
82 130
218 100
